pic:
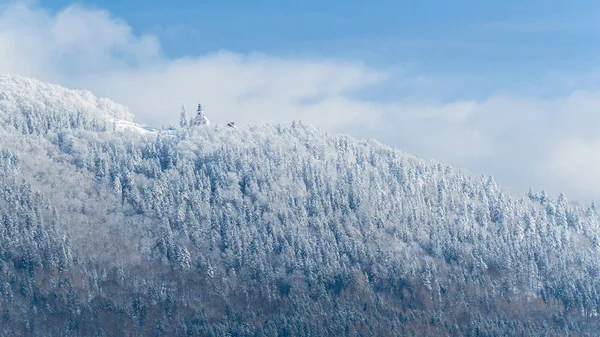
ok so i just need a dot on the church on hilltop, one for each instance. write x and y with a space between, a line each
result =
199 120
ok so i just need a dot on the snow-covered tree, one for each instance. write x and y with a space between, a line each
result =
183 118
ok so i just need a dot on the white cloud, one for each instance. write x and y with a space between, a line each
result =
76 40
243 88
574 166
523 141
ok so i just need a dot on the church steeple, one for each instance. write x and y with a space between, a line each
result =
200 119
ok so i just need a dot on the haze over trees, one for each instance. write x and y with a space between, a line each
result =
274 230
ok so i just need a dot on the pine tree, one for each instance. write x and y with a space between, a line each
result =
183 119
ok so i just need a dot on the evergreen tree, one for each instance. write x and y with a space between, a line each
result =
183 118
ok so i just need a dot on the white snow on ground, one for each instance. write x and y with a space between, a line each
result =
122 125
126 126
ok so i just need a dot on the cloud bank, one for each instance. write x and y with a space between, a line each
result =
544 143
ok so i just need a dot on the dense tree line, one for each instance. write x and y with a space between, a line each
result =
278 230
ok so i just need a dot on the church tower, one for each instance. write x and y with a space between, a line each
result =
200 119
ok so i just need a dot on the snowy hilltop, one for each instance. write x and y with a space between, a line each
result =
17 92
271 230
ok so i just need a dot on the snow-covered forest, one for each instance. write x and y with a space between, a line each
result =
274 230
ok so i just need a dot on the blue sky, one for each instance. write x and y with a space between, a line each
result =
510 42
506 88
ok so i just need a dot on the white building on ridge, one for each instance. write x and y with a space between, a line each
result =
200 119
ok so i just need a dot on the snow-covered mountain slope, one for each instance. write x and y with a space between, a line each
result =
273 230
26 95
17 92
